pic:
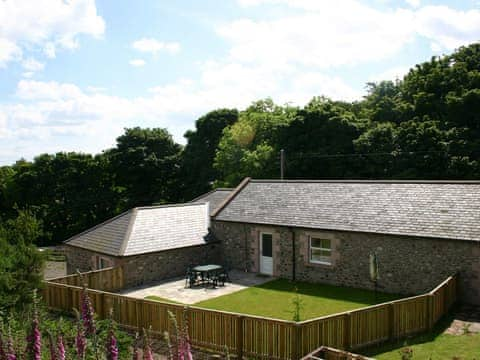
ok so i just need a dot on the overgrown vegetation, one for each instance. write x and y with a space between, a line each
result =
425 126
21 263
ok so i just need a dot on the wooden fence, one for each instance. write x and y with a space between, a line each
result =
258 337
109 279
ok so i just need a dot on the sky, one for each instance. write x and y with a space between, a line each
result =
75 73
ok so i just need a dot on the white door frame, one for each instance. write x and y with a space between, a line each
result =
266 262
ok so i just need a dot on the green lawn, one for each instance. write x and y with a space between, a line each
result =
434 345
274 299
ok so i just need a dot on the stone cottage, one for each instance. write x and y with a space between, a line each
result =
325 231
152 243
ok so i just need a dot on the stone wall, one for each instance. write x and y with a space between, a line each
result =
407 265
142 269
145 268
85 260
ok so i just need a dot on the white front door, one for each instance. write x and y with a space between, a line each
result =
266 259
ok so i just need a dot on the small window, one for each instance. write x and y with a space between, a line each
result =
320 251
102 263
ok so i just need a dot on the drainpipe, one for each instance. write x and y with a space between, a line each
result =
246 247
293 255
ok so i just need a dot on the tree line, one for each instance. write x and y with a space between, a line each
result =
424 126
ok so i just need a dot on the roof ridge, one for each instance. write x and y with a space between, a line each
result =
209 193
98 225
167 206
230 197
126 238
353 181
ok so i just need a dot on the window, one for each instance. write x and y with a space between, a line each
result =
102 263
320 251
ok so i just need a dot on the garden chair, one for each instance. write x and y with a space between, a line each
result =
190 278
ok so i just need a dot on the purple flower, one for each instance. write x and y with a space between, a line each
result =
184 348
34 341
112 348
60 348
136 353
147 347
80 341
87 314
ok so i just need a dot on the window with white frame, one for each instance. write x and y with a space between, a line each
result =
320 251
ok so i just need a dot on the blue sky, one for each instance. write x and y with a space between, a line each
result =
74 73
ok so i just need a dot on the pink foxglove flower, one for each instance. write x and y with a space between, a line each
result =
147 347
60 348
34 341
80 342
87 314
112 348
136 352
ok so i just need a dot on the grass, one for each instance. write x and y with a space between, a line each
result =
158 298
275 299
434 345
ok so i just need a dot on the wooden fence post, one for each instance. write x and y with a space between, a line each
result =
430 305
347 331
296 341
239 340
391 321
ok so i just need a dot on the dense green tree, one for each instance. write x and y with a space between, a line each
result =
71 192
146 166
197 171
316 139
21 263
249 147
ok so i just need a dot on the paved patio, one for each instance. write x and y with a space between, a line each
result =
174 289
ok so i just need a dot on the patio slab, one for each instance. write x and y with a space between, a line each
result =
175 290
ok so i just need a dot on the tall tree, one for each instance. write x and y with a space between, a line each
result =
21 263
250 146
146 166
314 142
197 171
71 192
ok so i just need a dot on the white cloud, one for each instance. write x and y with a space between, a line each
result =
151 45
46 24
32 65
8 51
137 62
447 27
413 3
347 32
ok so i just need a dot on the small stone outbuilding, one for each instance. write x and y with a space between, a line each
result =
151 243
325 231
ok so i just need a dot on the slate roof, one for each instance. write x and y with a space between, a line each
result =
427 209
214 197
148 229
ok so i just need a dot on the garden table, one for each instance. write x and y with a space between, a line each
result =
206 271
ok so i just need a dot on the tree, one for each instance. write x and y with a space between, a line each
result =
197 171
21 263
70 191
249 147
320 131
146 167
